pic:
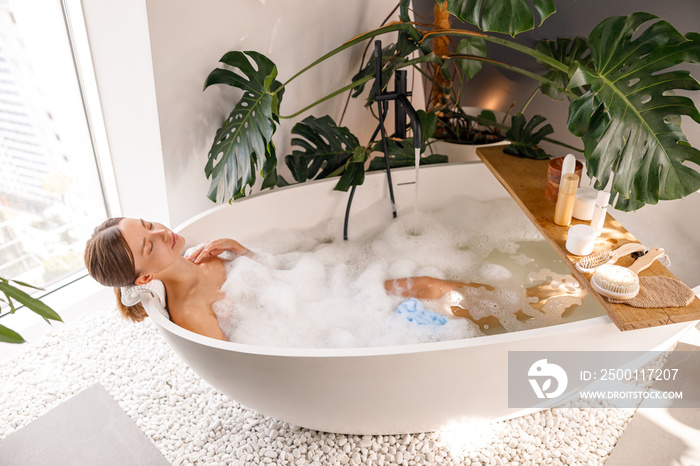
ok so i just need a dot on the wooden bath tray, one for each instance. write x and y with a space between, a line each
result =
525 181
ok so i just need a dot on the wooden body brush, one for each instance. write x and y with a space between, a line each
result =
616 282
589 263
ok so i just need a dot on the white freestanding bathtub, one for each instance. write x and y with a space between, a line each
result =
380 390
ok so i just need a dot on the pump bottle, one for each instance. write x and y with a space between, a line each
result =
599 211
566 199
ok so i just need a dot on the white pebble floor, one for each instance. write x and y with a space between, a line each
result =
191 423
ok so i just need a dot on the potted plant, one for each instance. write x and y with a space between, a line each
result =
461 130
619 83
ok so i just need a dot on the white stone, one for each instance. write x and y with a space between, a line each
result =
366 442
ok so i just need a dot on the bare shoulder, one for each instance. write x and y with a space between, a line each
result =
197 318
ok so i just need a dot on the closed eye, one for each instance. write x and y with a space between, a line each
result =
150 227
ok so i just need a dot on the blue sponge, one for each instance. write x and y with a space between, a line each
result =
416 312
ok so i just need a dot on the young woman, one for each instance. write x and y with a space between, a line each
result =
127 251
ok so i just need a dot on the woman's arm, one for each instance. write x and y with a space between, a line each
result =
216 247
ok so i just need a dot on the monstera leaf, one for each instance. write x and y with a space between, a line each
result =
326 150
629 119
244 141
569 52
524 139
470 46
354 173
506 16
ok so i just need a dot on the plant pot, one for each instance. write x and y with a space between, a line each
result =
465 152
461 152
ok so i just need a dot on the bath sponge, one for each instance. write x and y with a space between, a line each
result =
416 312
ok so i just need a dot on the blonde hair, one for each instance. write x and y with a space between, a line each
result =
110 262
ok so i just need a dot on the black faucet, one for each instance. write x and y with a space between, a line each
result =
402 108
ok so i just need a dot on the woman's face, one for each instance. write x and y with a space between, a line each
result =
154 246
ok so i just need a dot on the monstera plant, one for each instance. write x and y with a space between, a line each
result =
620 85
629 115
448 78
244 143
622 102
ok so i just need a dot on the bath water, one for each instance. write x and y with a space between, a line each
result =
310 288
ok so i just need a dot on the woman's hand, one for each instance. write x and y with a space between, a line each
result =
216 247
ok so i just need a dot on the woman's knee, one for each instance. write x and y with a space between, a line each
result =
418 287
427 287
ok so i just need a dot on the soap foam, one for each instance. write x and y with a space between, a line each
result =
310 288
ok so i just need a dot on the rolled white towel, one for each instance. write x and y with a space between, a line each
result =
131 295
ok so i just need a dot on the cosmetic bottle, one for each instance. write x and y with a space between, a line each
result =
585 203
599 211
566 199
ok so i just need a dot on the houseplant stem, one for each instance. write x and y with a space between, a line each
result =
394 27
504 42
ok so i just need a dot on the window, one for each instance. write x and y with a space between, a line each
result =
51 195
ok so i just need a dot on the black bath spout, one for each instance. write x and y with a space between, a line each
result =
403 108
415 120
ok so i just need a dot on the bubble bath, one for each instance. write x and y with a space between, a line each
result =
311 289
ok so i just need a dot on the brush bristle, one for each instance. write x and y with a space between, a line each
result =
594 260
615 280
